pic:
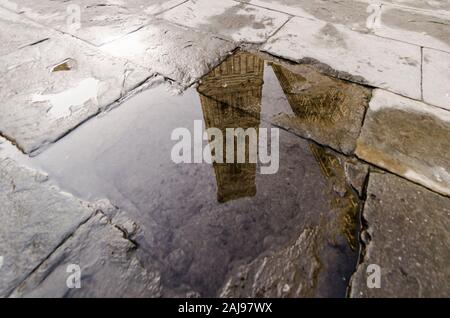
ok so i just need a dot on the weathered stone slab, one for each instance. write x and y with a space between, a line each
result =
175 52
237 21
109 267
36 218
100 22
351 55
50 88
436 78
409 138
434 6
18 32
419 27
408 238
413 26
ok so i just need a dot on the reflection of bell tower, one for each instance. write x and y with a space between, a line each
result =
231 98
310 102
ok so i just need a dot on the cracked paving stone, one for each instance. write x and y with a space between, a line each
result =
18 32
36 218
100 21
237 21
109 267
50 88
408 138
436 78
407 226
347 54
175 52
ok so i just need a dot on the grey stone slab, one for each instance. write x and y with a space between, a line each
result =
409 138
436 78
108 264
50 88
419 27
175 52
36 218
18 32
413 26
362 58
237 21
407 237
100 22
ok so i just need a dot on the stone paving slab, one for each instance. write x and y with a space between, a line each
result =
409 138
436 78
109 267
36 218
365 59
50 88
175 52
18 32
237 21
100 21
419 27
416 27
434 6
407 237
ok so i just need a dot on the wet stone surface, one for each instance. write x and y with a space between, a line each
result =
200 225
36 218
52 87
407 237
100 21
408 138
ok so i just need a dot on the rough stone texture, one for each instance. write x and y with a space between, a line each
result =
427 29
351 55
109 267
436 78
409 239
239 22
36 218
50 88
409 138
101 21
419 27
440 6
18 33
175 52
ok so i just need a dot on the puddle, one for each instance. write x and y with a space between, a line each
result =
204 225
62 103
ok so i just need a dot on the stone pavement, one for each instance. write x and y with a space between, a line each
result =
383 66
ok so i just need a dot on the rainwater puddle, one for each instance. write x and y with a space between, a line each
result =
219 229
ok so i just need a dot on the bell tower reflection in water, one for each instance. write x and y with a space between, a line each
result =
231 98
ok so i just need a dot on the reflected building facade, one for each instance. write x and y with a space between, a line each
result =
231 97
